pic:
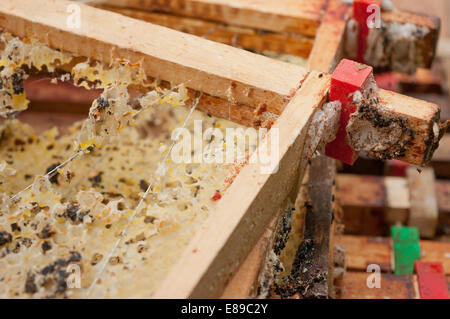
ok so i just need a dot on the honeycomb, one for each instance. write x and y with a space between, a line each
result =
75 216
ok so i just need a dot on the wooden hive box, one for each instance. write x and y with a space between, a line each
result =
235 83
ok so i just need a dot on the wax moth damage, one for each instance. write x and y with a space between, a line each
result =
373 130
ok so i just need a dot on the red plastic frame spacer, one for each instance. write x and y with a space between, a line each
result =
348 77
432 280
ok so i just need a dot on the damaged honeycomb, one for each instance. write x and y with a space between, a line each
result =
73 216
17 54
393 45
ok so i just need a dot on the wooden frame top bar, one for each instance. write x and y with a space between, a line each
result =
216 69
237 36
295 16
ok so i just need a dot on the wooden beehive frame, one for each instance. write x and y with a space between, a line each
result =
215 69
